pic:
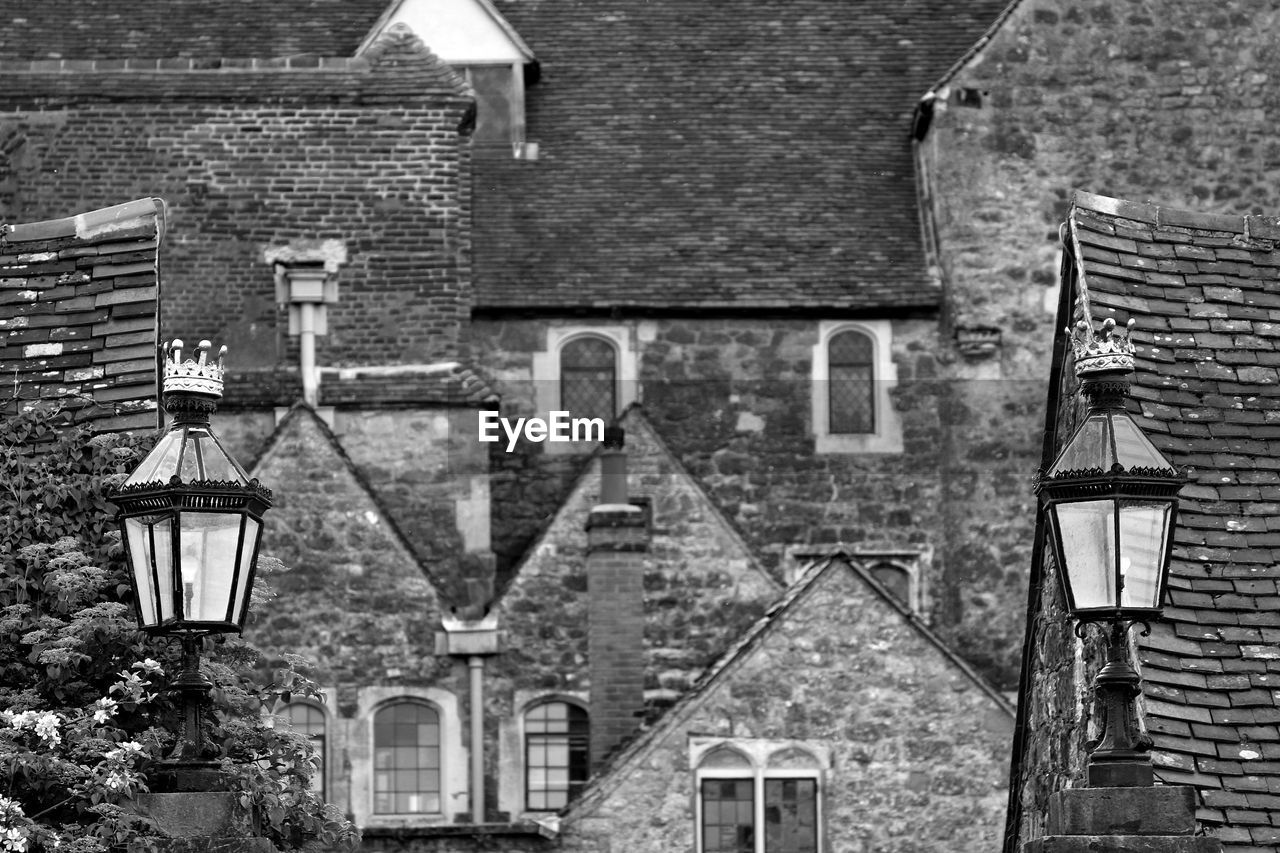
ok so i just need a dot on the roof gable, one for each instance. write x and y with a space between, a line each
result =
703 585
352 583
461 32
833 660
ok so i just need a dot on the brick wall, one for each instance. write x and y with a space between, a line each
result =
78 306
256 155
616 542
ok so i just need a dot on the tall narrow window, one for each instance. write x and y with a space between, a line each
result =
306 719
588 379
406 759
556 760
851 384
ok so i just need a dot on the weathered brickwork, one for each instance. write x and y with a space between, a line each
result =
376 163
78 302
732 399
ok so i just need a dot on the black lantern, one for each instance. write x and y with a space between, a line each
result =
192 520
1111 499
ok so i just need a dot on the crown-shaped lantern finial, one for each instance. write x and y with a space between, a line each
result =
193 376
1104 351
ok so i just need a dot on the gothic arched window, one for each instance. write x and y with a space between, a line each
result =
588 378
851 383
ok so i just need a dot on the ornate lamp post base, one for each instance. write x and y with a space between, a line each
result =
1120 757
186 769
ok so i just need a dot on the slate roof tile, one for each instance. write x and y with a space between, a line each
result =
693 189
1207 372
55 30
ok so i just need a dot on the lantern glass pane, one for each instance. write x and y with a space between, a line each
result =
1133 449
243 577
1088 536
208 563
1087 449
151 558
1144 526
217 464
161 463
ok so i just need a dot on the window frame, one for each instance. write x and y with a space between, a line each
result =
442 792
525 736
887 434
325 739
613 391
546 375
757 754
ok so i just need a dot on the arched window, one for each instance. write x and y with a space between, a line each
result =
308 719
851 385
406 759
588 379
758 806
896 579
556 737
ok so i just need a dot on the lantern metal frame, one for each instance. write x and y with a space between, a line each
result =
1120 755
191 392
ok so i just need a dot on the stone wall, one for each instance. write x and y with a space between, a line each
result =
732 399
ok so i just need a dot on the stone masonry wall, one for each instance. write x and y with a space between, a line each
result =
731 398
918 750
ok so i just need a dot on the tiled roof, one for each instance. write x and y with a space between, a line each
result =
1205 291
78 314
744 154
109 29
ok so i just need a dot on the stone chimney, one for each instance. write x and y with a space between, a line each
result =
617 540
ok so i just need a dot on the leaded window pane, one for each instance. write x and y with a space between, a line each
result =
588 379
557 737
728 821
406 756
851 385
791 816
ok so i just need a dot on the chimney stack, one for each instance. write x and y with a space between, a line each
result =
617 540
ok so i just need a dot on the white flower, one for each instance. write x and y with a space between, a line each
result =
47 728
116 781
104 710
131 746
10 808
14 840
148 665
22 720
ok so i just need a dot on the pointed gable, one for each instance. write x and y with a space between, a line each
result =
353 601
703 587
915 743
461 32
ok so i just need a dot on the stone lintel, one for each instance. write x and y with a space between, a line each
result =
1155 810
1123 844
617 527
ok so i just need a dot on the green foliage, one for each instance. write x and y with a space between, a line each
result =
85 715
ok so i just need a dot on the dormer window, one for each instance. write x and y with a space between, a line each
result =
473 37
